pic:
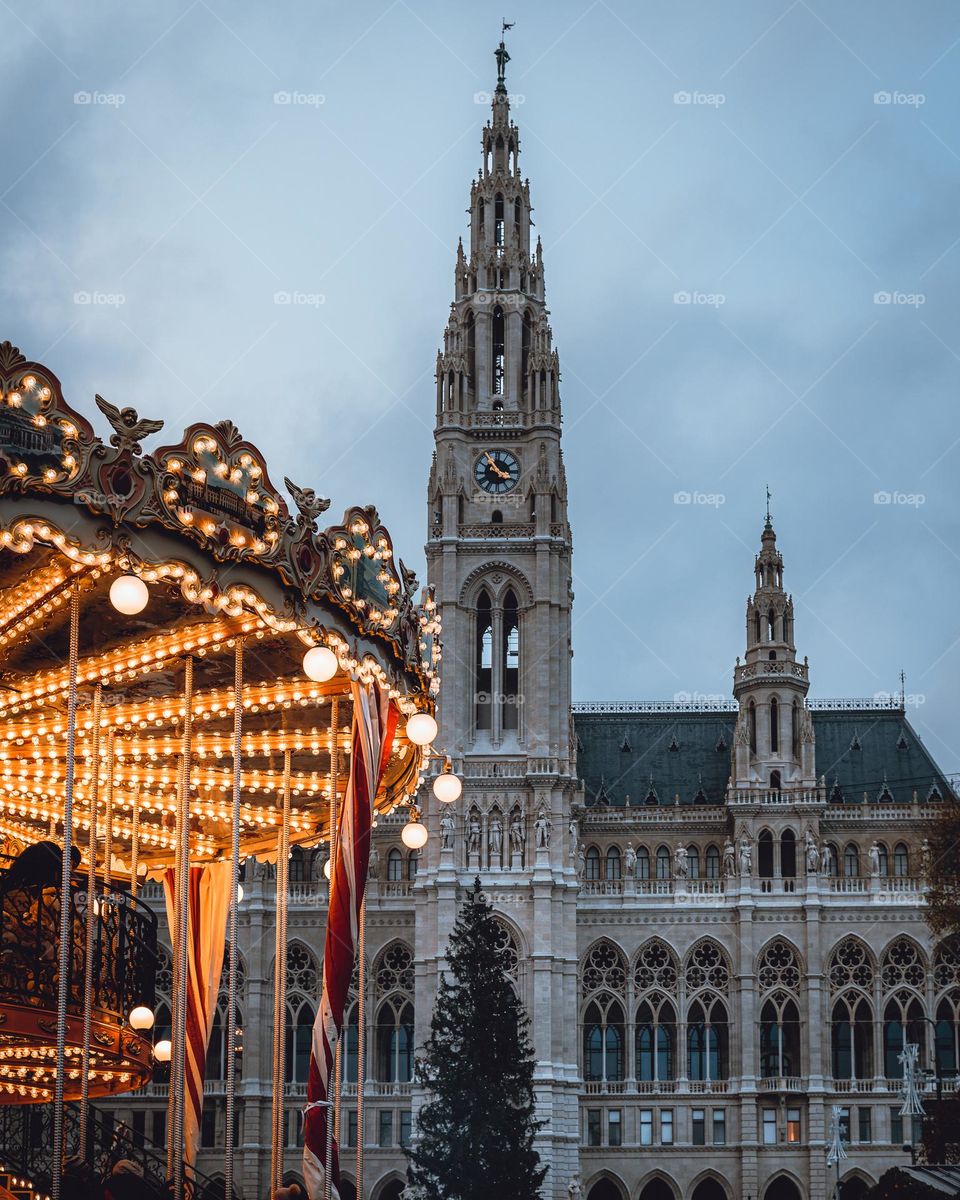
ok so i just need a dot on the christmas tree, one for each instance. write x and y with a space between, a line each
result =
475 1135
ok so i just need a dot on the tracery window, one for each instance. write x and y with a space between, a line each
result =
707 980
303 989
902 972
656 976
393 986
603 981
850 973
509 952
946 981
217 1056
778 974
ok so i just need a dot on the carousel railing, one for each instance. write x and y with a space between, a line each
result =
125 947
26 1134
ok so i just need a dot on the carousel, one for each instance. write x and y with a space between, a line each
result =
191 675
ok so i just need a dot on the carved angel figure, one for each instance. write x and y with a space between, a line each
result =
128 429
309 504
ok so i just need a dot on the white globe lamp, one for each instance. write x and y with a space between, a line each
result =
163 1050
421 729
447 787
320 664
141 1018
129 595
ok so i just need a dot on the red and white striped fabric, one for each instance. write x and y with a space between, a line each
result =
374 724
209 899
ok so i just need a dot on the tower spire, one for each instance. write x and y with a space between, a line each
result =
768 525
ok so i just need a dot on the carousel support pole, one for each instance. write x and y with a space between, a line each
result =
135 842
280 985
108 831
91 920
232 926
333 1114
361 1042
175 1142
64 947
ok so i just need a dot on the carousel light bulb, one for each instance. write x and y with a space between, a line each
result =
239 892
421 729
320 664
326 869
141 1018
163 1050
447 787
414 834
129 595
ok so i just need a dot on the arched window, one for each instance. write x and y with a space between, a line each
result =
511 661
413 863
481 214
707 1039
757 629
643 862
712 862
883 858
656 1036
693 861
775 782
829 858
498 224
302 987
472 349
351 1045
794 724
395 1041
788 854
498 365
851 861
592 864
946 979
774 715
752 721
901 859
496 517
297 867
603 1039
765 854
526 335
613 863
217 1055
779 1036
484 659
851 1037
663 862
902 1023
395 865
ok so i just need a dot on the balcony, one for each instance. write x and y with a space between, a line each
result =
773 670
781 1083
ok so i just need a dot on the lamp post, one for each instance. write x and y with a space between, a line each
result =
836 1151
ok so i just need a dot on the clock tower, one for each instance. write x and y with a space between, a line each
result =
499 557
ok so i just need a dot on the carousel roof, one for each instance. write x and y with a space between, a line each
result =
199 522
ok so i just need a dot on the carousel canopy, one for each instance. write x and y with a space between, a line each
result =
200 524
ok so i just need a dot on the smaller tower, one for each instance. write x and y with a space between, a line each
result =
774 743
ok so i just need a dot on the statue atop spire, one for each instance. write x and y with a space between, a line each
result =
502 56
768 524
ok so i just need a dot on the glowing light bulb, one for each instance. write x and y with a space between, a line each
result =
141 1018
320 664
129 595
414 834
447 787
239 893
163 1050
421 729
326 869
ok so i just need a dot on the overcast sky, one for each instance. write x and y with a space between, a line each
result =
151 171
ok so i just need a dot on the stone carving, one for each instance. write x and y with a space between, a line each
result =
681 864
541 829
518 836
630 861
926 858
373 868
729 859
574 1191
496 839
874 857
811 852
745 856
448 828
574 832
473 835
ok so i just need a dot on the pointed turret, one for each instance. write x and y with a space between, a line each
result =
774 742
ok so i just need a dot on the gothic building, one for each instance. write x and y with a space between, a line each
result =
714 915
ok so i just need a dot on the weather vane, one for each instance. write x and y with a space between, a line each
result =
502 56
768 503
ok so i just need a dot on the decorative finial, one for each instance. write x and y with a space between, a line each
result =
903 690
501 54
768 506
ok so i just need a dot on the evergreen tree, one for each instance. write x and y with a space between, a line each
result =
476 1132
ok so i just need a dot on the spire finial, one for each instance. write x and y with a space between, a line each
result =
768 526
501 54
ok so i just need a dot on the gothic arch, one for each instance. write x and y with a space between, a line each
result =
783 1186
603 968
389 1186
903 963
662 1178
710 1176
393 969
791 946
855 1174
851 943
656 965
606 1177
482 577
706 966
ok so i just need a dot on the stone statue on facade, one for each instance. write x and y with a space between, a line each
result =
448 828
541 828
827 864
874 857
581 862
745 856
473 835
574 1191
681 865
574 832
729 859
496 839
630 861
811 852
373 866
926 858
517 835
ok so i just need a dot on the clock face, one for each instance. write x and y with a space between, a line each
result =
497 471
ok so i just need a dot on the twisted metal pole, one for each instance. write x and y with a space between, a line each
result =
333 1091
280 983
361 1041
63 965
91 919
232 925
